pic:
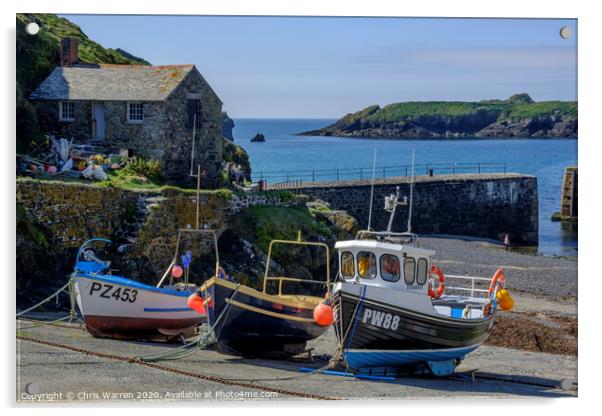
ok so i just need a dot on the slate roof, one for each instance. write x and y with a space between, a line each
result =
112 82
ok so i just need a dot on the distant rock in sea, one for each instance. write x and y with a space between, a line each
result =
258 138
518 116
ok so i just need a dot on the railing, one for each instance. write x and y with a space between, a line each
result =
282 279
471 289
336 174
288 185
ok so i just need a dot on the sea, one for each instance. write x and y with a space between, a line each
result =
284 152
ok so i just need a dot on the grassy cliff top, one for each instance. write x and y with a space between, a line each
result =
517 106
53 28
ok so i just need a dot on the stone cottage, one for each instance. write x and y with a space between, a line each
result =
149 110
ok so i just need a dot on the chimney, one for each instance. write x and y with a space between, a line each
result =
69 53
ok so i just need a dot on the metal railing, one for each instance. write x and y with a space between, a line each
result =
472 288
361 173
288 185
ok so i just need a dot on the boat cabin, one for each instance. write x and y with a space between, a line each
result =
384 264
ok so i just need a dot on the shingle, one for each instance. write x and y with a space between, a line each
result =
112 83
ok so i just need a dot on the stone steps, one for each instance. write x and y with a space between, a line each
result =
144 205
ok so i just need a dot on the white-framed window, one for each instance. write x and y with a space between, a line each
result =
409 270
66 111
135 112
347 264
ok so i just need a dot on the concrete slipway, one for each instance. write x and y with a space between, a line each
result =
66 364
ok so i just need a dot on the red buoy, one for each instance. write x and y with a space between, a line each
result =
177 271
197 303
323 314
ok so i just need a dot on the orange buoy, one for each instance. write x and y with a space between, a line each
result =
323 314
197 303
504 300
177 271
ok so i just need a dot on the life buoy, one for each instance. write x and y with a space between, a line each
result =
441 288
498 279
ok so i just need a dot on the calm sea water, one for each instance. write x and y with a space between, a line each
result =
543 158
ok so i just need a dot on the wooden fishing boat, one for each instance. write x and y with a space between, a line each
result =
388 315
117 307
272 321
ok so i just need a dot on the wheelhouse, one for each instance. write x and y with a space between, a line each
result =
384 264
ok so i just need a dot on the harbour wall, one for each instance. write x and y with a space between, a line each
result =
55 218
476 205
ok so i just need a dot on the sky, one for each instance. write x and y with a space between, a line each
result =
308 67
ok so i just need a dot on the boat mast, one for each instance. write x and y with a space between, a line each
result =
411 196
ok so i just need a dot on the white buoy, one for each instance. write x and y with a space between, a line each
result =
32 28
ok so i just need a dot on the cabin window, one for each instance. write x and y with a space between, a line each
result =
194 113
366 264
135 112
409 270
389 267
347 264
421 271
66 111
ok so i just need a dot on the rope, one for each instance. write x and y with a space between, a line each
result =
334 361
205 339
49 298
72 312
356 317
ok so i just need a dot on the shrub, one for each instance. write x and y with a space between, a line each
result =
152 168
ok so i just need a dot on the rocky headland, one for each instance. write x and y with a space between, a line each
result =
518 116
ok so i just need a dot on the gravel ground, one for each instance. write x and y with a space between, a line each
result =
554 278
83 378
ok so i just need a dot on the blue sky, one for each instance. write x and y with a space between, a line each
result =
297 67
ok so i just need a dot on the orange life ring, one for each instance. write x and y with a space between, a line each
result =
441 288
499 278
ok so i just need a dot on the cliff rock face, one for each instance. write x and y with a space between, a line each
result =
519 116
227 126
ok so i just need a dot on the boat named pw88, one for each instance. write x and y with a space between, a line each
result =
390 317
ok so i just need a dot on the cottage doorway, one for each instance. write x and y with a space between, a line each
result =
98 121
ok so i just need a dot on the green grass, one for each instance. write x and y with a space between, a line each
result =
117 179
518 106
265 223
540 109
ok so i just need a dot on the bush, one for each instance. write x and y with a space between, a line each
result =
152 168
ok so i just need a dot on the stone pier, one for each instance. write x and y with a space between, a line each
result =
476 205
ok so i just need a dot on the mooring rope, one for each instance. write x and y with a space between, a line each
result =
205 339
334 360
67 288
48 299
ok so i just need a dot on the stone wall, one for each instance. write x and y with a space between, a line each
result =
143 225
487 205
208 136
48 119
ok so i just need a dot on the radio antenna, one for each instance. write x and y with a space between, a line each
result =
411 195
372 190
